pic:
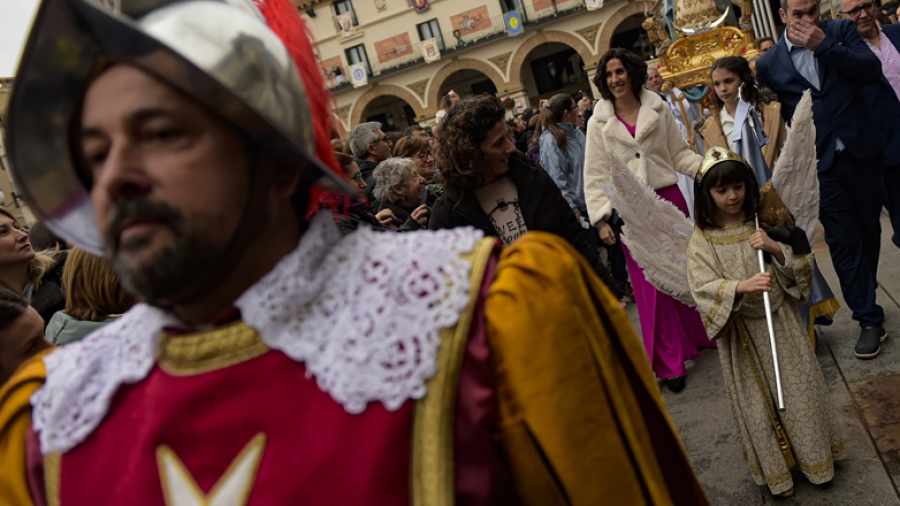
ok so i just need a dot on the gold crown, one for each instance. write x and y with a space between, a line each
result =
715 156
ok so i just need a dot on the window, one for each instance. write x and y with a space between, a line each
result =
357 54
514 5
342 6
431 29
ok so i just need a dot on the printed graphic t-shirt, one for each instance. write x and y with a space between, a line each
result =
500 201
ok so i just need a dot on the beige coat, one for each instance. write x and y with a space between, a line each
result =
773 125
655 152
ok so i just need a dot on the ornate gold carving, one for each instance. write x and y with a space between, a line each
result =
419 88
501 61
686 63
589 33
210 350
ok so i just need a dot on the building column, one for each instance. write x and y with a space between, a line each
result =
591 72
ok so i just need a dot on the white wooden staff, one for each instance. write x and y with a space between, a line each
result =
768 305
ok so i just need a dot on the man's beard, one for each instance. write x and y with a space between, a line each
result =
170 269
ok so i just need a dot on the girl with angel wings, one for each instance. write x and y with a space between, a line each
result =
658 235
749 123
727 285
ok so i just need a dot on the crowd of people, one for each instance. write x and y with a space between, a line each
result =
439 311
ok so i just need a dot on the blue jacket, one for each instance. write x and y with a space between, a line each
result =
839 108
885 107
566 166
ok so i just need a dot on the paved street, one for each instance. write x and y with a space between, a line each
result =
865 394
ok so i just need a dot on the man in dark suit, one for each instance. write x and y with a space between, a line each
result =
883 98
831 59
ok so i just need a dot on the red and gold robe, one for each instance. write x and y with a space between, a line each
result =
541 395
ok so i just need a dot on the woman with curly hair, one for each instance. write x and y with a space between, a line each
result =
491 186
633 129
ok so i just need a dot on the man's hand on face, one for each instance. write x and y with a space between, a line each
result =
806 34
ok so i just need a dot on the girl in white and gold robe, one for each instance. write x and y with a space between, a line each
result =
720 258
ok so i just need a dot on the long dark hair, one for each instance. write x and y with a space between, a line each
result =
552 113
634 67
749 91
727 172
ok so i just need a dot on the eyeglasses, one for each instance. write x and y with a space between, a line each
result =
358 177
382 139
854 13
573 107
425 155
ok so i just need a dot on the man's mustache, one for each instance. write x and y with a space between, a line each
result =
126 210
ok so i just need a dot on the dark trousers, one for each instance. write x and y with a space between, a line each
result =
850 211
617 261
892 194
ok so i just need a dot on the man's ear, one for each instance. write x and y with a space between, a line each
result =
286 182
284 179
398 189
783 16
370 149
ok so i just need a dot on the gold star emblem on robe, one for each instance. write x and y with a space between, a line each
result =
232 489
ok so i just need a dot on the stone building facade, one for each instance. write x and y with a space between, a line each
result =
556 51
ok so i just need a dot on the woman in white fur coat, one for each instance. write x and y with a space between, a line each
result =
633 128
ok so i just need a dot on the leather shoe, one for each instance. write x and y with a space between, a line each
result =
869 344
677 384
787 493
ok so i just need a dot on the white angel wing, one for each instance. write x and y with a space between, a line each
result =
795 177
655 231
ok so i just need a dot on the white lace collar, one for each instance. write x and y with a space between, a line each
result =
364 313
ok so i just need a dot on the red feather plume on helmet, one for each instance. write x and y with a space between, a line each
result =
285 21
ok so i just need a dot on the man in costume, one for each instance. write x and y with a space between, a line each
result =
830 59
274 362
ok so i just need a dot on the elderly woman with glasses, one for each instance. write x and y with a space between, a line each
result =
418 149
399 189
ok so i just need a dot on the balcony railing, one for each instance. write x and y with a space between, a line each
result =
482 29
387 61
541 9
536 11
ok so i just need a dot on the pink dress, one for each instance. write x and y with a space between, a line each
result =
672 331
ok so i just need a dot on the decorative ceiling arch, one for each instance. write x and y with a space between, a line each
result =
434 88
518 60
609 28
378 91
